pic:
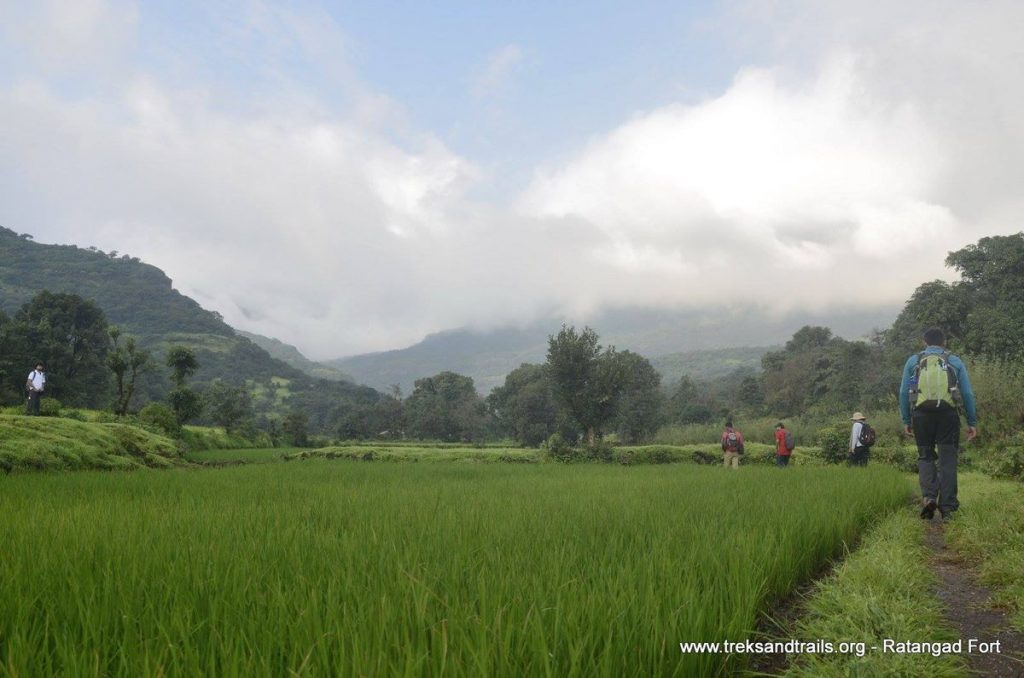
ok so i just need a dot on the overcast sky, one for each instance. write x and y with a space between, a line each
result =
348 177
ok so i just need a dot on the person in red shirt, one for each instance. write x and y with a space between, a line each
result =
783 445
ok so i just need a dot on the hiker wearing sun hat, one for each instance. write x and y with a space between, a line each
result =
862 437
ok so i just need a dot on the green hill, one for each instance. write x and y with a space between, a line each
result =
141 299
292 356
708 364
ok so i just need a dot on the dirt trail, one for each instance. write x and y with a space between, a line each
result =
970 611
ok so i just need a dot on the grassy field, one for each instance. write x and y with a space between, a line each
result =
412 569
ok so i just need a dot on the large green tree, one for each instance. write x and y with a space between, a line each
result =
186 403
981 313
640 403
127 361
69 334
183 363
524 406
586 378
445 407
689 403
228 405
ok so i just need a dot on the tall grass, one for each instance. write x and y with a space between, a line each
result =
411 569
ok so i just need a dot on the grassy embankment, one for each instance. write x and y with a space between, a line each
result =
47 443
882 590
412 569
96 440
989 534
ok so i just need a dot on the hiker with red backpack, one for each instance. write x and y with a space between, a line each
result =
935 384
732 446
862 437
784 444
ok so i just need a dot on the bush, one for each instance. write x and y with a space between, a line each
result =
762 456
903 458
557 448
649 454
702 457
834 445
76 415
1007 461
160 417
49 407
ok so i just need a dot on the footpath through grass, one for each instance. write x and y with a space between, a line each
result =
412 569
883 590
989 533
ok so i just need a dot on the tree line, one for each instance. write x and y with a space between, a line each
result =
581 393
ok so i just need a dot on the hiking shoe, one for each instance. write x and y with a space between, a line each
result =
928 509
948 516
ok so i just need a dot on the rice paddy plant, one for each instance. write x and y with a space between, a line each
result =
324 568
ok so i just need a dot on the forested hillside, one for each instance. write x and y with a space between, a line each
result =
141 301
134 295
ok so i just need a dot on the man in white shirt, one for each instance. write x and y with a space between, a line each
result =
35 384
858 450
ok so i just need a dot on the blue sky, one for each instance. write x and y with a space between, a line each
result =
349 177
508 84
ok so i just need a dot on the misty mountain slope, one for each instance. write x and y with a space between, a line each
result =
141 299
292 356
669 339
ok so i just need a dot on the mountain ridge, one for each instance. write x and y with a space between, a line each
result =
487 356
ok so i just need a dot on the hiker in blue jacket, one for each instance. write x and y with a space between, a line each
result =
934 383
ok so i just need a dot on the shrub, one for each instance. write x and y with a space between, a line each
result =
1008 461
903 458
701 457
834 444
557 448
49 407
76 415
649 454
160 417
761 456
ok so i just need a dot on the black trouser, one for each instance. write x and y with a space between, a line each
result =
939 430
782 459
33 402
859 457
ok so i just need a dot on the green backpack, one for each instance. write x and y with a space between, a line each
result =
936 381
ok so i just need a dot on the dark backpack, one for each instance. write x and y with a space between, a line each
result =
733 442
789 442
867 435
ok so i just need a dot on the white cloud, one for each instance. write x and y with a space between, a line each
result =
789 189
84 34
315 212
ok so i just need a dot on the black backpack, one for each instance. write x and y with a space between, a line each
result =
867 435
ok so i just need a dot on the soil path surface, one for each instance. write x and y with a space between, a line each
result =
970 610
